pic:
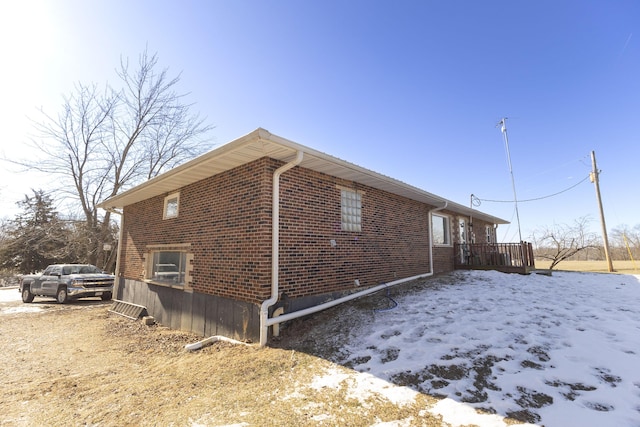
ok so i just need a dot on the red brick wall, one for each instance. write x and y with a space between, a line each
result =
227 221
478 228
442 259
393 243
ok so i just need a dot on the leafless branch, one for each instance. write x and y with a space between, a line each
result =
104 141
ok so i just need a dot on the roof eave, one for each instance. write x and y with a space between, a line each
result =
261 143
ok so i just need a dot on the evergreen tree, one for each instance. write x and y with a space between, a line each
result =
35 238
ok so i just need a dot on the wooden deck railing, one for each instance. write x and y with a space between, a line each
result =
507 257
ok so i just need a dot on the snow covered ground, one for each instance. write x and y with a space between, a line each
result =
9 294
553 351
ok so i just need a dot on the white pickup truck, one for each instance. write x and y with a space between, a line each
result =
67 281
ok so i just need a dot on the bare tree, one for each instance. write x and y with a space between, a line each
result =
626 241
107 140
561 242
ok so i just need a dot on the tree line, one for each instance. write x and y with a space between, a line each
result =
561 242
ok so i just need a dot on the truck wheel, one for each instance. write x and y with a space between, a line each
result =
106 296
27 296
61 295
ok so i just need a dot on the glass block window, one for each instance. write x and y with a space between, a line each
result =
351 210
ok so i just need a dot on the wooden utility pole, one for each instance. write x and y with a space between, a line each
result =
594 175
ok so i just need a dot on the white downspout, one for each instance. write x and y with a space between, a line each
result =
275 247
266 321
214 339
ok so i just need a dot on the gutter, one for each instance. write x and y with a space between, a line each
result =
265 321
275 247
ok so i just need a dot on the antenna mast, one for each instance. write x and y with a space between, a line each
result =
503 128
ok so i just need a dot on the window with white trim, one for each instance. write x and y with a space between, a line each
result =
440 229
171 205
351 210
168 267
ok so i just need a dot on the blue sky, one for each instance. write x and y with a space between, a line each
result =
410 89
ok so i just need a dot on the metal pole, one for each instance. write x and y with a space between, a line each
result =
503 124
595 179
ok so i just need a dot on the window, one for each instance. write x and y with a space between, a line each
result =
171 203
169 267
440 229
489 231
351 210
80 269
52 270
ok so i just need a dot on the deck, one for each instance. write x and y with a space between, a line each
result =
505 257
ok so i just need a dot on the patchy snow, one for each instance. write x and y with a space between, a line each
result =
457 414
363 386
548 350
11 296
20 309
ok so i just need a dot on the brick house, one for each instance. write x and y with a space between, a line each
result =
198 247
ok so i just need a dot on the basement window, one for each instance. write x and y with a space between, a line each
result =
440 230
168 267
351 210
171 204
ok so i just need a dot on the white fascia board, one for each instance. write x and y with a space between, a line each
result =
261 143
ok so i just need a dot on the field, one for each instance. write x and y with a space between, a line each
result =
626 267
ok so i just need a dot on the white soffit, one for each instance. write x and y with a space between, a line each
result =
261 143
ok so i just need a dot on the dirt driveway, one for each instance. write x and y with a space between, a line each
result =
77 364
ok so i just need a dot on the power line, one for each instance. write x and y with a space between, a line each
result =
476 200
562 166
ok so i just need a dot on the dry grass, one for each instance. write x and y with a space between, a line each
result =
78 365
625 267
